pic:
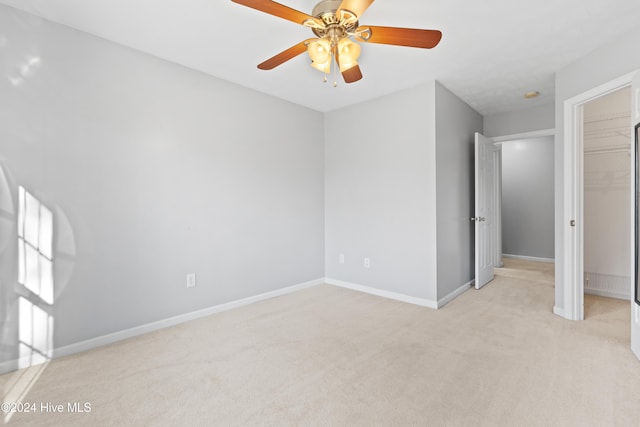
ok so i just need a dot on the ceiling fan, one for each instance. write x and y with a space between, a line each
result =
335 23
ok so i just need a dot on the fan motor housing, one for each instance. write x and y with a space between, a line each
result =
326 6
326 11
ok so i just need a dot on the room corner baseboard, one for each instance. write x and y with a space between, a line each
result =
607 293
529 258
176 320
456 293
558 311
423 302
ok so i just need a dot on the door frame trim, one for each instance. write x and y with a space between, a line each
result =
524 135
572 258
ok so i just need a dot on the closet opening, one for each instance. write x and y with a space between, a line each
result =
606 203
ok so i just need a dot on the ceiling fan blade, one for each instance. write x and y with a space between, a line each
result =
357 7
279 10
410 37
351 75
284 56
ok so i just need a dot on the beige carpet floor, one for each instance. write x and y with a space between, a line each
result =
327 356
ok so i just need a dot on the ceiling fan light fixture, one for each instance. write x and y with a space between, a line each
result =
335 22
319 51
348 49
348 53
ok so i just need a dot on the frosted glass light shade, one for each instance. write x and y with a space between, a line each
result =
324 67
348 53
319 51
348 49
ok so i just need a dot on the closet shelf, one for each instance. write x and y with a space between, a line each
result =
608 117
594 151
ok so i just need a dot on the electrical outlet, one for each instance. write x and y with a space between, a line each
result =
341 258
191 280
367 263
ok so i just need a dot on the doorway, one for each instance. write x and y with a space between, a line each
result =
528 199
572 256
489 204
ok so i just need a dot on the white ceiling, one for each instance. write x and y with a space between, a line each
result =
491 53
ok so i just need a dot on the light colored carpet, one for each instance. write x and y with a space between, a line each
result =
327 356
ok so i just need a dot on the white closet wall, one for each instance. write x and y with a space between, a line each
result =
606 195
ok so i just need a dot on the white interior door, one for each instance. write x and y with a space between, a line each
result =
635 308
485 212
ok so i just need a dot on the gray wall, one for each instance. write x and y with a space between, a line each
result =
152 171
599 67
515 122
456 123
387 198
527 197
380 193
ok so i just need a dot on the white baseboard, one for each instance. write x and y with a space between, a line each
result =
176 320
9 366
529 258
558 311
607 285
423 302
606 293
453 295
92 343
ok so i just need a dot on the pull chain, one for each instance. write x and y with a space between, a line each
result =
334 73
